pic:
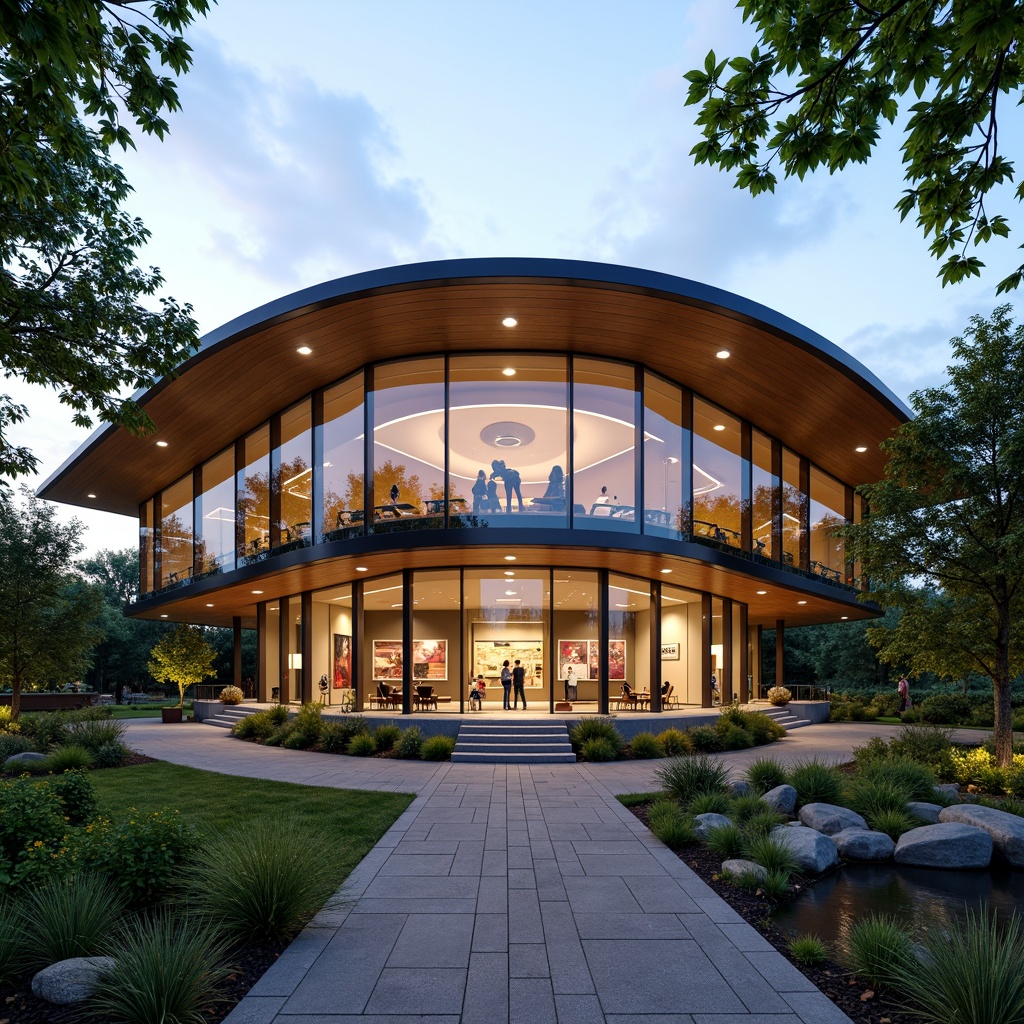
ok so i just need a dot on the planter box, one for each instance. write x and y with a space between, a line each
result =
170 714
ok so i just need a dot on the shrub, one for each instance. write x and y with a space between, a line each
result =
840 711
779 696
669 824
594 729
278 714
437 748
762 728
306 727
970 974
768 852
975 767
75 793
10 941
361 745
710 803
1013 776
408 747
886 705
734 738
69 917
597 748
260 725
675 742
93 733
46 728
808 950
985 715
880 950
874 750
11 744
816 781
688 777
633 799
111 755
765 774
922 743
5 716
258 881
336 736
645 746
68 758
32 826
231 695
166 969
916 781
945 709
892 821
775 885
385 737
279 735
705 740
141 854
763 822
725 840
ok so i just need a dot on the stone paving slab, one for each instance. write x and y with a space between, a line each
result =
510 895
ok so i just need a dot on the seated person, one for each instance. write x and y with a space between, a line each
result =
554 496
627 692
477 689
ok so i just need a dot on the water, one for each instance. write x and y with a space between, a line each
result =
922 898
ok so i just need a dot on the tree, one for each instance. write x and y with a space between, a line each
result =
47 613
182 657
75 314
823 76
949 512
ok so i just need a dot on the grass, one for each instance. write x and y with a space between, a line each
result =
353 819
145 711
635 799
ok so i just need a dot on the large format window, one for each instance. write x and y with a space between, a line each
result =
252 490
828 512
176 531
764 498
342 438
215 514
666 451
794 510
719 475
292 469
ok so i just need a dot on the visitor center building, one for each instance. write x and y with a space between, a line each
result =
405 477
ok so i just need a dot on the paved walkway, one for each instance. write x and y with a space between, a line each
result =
526 895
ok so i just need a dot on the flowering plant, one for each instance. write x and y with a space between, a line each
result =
779 696
231 695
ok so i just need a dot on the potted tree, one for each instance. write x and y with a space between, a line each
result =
182 657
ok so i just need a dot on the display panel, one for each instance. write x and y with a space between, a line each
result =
488 656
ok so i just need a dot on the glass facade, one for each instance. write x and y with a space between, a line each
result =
341 448
794 511
827 512
252 495
764 502
291 467
721 488
666 454
215 514
176 531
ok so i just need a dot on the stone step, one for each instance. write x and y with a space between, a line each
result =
513 743
499 747
229 715
492 758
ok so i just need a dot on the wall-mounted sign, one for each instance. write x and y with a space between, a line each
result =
670 652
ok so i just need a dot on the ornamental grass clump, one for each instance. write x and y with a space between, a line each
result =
689 777
869 797
816 782
808 950
361 745
744 807
780 696
111 755
725 840
762 728
765 774
10 941
763 822
409 746
880 951
166 971
916 781
437 748
231 695
68 758
668 822
598 748
775 885
893 822
645 746
715 802
675 742
386 736
704 740
768 852
257 881
595 729
93 733
68 917
336 736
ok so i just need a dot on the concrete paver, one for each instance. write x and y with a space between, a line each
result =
515 894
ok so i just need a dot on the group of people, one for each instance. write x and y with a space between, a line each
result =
513 686
485 490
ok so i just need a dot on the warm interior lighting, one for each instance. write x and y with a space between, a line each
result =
209 605
361 568
510 593
509 371
90 495
666 570
161 444
861 448
762 592
843 618
510 573
723 354
304 350
719 426
295 661
510 558
257 591
509 321
801 602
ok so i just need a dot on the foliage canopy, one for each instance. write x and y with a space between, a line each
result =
822 78
182 657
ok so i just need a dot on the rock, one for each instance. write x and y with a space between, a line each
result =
948 790
704 823
859 844
739 788
828 819
25 757
925 811
70 981
1006 830
950 844
813 851
781 799
745 867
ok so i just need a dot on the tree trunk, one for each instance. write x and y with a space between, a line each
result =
1003 732
15 697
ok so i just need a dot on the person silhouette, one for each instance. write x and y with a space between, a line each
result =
512 480
554 496
394 494
479 492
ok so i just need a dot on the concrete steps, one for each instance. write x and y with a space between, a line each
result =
785 718
229 714
513 743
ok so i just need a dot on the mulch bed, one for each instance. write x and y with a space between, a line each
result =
857 1000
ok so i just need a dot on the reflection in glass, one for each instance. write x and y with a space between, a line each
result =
508 435
381 654
794 510
604 445
575 607
146 547
252 488
333 633
765 496
629 636
438 676
215 514
718 475
342 445
666 458
176 531
828 512
292 468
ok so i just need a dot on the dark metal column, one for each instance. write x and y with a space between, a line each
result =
603 630
727 684
357 642
744 667
655 642
262 669
236 651
705 651
283 643
306 646
780 653
407 641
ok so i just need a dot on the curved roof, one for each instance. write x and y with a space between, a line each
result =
785 379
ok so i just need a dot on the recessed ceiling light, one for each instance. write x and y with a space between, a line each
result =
90 495
510 573
843 618
510 593
801 602
719 426
304 350
161 444
666 570
361 568
510 558
722 354
509 371
209 605
861 448
623 606
509 321
163 616
257 591
399 605
762 592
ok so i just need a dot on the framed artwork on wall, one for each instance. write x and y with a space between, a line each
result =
387 659
670 652
489 654
342 661
574 653
616 659
429 660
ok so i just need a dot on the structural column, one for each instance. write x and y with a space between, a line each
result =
780 655
236 652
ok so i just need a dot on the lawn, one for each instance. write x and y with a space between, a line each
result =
145 710
352 820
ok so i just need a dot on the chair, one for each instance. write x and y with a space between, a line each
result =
628 697
425 696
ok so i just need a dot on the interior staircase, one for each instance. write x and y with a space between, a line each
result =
513 743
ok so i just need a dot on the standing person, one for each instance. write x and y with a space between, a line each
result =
512 480
479 492
570 684
506 685
394 494
518 681
903 689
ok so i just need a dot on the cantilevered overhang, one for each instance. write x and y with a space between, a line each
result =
784 379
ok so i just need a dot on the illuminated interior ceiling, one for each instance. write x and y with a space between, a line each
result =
529 438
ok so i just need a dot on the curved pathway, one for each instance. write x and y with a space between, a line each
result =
518 894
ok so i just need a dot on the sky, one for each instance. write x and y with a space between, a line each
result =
327 137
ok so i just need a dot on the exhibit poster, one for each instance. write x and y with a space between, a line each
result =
574 653
489 654
342 661
387 659
616 659
429 660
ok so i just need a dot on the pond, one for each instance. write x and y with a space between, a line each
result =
921 897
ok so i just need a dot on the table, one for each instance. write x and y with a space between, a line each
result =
395 510
435 506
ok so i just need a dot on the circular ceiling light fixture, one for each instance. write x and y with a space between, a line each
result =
509 572
164 616
843 618
161 444
361 568
304 350
801 602
509 371
90 495
762 592
722 354
507 434
509 321
861 448
666 570
719 426
510 558
257 591
209 605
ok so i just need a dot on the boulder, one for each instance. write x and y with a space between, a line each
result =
948 791
828 819
745 867
1006 830
950 844
25 757
859 844
781 799
704 823
739 788
925 811
70 981
813 851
